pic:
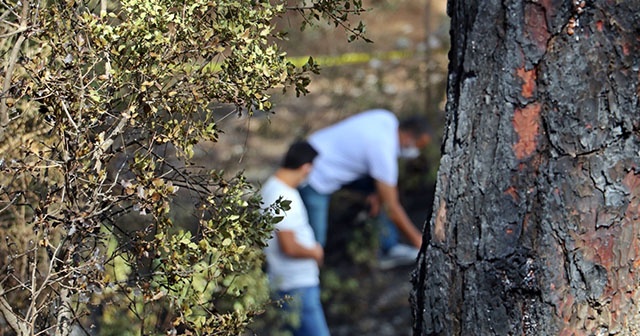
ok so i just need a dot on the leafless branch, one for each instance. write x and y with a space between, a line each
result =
10 67
15 32
12 318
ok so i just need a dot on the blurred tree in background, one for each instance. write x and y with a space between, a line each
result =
102 103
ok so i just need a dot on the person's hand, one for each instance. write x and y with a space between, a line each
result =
374 204
318 254
416 239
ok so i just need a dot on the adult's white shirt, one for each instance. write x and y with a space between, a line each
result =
364 144
286 273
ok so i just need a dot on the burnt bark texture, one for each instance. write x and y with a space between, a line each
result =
535 226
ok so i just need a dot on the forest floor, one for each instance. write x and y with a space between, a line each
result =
359 298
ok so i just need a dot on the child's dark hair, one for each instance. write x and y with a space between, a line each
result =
299 153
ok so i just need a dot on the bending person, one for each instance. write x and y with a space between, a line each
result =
367 145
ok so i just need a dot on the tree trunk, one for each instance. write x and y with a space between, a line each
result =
536 221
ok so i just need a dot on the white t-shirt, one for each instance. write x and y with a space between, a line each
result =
363 144
284 272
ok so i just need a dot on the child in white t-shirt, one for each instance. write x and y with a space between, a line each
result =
293 254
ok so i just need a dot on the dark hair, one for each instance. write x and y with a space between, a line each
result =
416 125
298 154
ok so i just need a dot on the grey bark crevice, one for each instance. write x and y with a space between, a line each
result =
457 54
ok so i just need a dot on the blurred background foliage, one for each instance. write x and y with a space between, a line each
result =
404 69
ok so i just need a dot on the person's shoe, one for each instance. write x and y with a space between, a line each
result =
398 255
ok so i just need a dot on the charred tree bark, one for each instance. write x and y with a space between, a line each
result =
536 222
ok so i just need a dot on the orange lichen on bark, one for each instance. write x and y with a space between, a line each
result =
598 247
526 123
632 218
549 8
568 331
617 249
528 81
626 49
441 219
632 182
536 25
511 191
564 308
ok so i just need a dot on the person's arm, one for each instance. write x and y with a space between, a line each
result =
391 201
290 247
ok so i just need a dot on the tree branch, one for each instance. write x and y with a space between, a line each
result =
11 64
12 318
17 31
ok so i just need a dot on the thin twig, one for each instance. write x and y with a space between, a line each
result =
15 32
66 111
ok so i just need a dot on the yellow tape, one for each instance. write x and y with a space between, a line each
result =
338 60
351 58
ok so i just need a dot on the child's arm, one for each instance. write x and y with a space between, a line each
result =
290 247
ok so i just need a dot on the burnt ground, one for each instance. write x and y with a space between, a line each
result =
359 299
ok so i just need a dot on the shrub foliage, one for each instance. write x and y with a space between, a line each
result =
101 106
